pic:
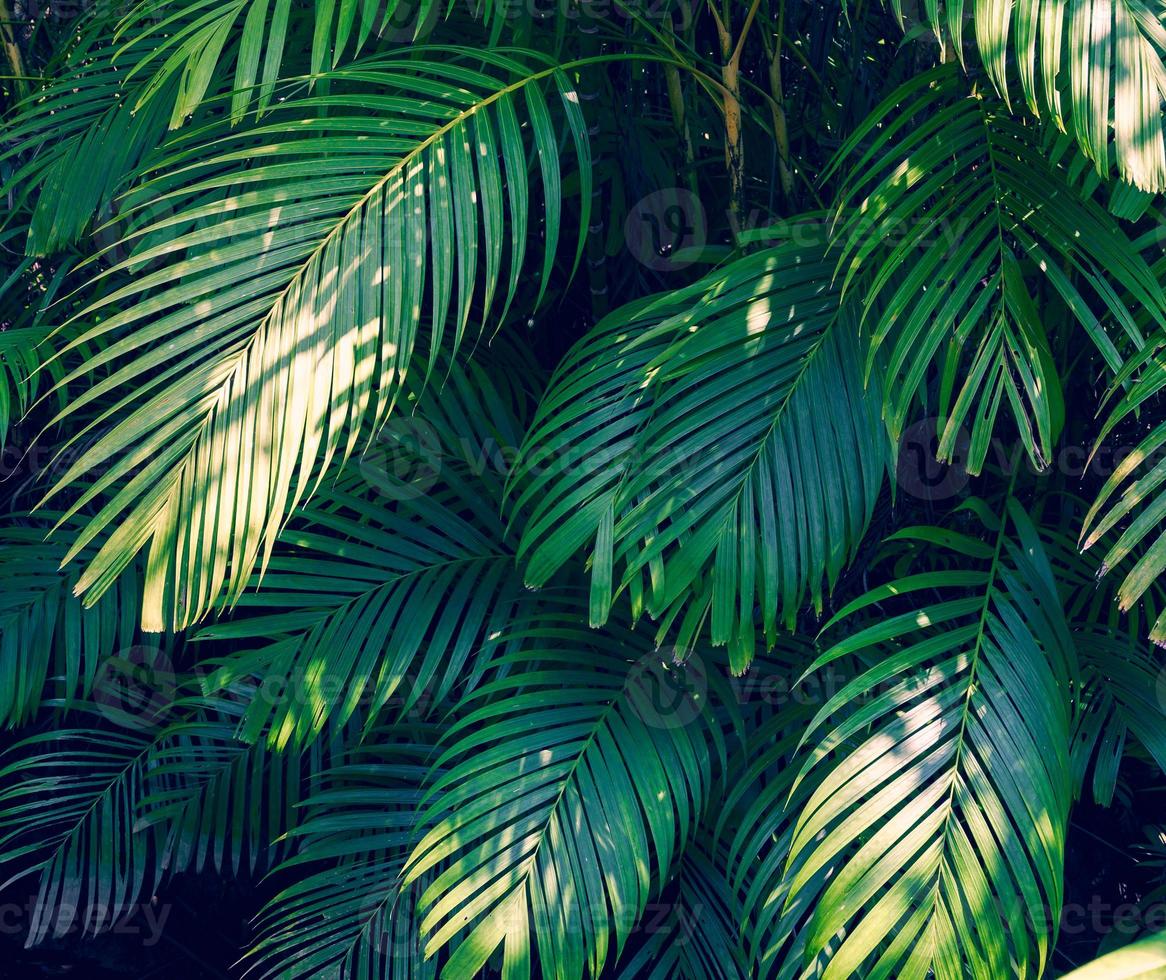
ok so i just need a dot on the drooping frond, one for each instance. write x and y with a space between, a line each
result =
389 583
25 294
343 912
1128 512
951 217
715 449
112 97
569 787
75 144
1105 55
1141 960
690 933
1116 709
287 301
1120 703
190 45
757 820
99 814
51 645
947 791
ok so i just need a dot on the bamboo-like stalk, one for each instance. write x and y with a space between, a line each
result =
731 101
773 46
12 49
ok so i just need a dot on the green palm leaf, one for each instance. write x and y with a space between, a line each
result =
1128 510
1107 55
1143 960
47 638
382 583
349 918
950 216
714 447
948 790
195 41
757 819
26 293
1119 701
98 815
1116 710
75 143
551 836
691 932
288 303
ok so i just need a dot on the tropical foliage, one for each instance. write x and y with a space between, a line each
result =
588 490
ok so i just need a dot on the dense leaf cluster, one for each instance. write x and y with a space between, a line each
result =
601 490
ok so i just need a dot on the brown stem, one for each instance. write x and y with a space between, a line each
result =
731 79
12 49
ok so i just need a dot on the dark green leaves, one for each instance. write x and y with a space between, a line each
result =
1138 511
50 645
948 787
955 232
273 314
714 447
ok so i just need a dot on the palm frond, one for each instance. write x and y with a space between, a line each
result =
389 583
690 932
1097 64
548 835
1130 523
99 814
950 216
948 790
344 912
193 43
1119 701
1116 710
757 819
1142 960
75 144
27 292
288 303
49 643
714 447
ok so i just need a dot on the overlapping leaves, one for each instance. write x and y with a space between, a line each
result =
951 220
388 585
1128 510
173 792
947 790
555 818
1095 63
273 314
714 447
